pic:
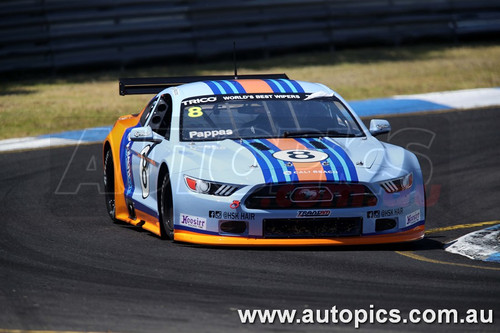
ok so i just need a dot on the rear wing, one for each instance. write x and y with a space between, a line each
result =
153 85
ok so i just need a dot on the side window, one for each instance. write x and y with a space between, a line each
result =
147 111
162 116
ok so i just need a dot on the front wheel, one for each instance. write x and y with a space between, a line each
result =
166 210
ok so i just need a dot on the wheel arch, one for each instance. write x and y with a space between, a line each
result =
164 171
106 146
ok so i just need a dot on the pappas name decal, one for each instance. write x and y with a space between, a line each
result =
194 222
209 134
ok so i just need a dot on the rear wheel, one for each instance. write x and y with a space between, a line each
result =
166 209
109 185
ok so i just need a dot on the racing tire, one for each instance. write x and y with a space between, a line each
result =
109 185
166 209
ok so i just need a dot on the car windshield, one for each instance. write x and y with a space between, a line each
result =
209 118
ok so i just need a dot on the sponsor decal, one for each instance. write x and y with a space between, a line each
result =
217 214
391 212
267 96
375 214
195 102
208 99
313 213
194 222
413 218
209 134
300 156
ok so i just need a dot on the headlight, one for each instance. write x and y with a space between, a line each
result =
398 184
209 187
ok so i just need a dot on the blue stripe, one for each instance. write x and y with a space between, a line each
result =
265 166
297 86
282 88
276 170
239 87
198 231
221 87
231 86
344 158
225 87
282 165
287 83
214 87
330 175
129 188
206 232
342 169
340 164
273 86
143 208
495 257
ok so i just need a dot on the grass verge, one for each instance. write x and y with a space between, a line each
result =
39 105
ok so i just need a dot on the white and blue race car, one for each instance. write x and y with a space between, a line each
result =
258 160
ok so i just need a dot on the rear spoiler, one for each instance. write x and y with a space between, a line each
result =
153 85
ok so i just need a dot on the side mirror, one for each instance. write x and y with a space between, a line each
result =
144 134
379 126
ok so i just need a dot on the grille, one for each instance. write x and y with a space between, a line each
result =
311 195
312 228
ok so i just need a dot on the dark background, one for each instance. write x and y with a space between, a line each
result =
56 34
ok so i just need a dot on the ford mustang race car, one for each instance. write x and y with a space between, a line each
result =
258 160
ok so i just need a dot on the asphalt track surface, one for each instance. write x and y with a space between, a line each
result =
66 266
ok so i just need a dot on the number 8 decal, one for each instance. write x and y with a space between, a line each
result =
195 112
300 156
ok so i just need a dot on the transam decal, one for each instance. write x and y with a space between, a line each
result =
313 213
413 218
195 222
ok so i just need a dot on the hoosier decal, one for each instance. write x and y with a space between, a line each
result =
194 221
413 218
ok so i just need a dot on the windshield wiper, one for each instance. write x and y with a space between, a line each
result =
313 134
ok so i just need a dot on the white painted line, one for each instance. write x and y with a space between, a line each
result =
33 143
460 99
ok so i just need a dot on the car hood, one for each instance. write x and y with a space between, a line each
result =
255 161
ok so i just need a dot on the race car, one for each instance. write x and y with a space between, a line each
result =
258 160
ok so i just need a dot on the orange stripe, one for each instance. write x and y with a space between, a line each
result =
405 236
312 171
255 86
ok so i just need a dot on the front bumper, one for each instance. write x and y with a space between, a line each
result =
395 218
413 234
